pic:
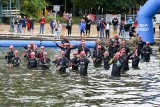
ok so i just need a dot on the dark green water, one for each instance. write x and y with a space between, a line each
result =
36 88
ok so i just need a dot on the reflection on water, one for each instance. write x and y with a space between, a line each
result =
23 87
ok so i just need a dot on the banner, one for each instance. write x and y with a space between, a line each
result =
110 17
92 17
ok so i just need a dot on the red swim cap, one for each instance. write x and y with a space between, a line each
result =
42 47
83 52
44 53
147 42
117 54
62 52
32 54
74 53
11 46
99 46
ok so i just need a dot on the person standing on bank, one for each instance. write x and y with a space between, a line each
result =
107 29
52 25
102 27
115 24
82 26
98 27
88 26
12 25
24 22
31 25
42 22
69 26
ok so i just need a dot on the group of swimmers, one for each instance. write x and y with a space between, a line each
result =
118 54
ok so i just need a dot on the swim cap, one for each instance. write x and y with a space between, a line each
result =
83 52
74 53
140 37
82 40
31 43
62 52
16 52
117 54
99 46
66 44
116 36
42 47
11 46
147 42
32 54
44 53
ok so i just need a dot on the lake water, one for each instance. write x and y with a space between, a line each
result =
34 88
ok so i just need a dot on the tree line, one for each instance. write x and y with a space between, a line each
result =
33 7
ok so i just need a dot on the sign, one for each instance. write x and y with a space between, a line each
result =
92 17
56 8
110 17
143 28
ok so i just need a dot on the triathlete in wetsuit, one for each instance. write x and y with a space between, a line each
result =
147 51
15 60
97 57
74 62
82 47
10 54
83 63
140 45
106 60
33 61
62 63
44 62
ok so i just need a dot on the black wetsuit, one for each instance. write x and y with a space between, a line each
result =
75 63
111 48
63 63
28 54
126 49
67 51
55 62
147 51
80 49
125 59
135 62
98 55
102 48
106 62
141 45
32 63
116 45
9 56
44 64
15 61
116 68
83 66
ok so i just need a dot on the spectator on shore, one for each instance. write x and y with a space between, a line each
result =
98 27
69 26
12 23
121 28
24 21
42 22
58 30
115 24
82 26
88 26
19 24
52 25
102 27
130 22
31 25
107 29
28 24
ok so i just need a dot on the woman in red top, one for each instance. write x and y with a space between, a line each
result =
28 25
42 23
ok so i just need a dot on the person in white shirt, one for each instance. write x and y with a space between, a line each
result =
107 29
58 30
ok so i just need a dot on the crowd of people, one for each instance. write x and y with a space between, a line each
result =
115 52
